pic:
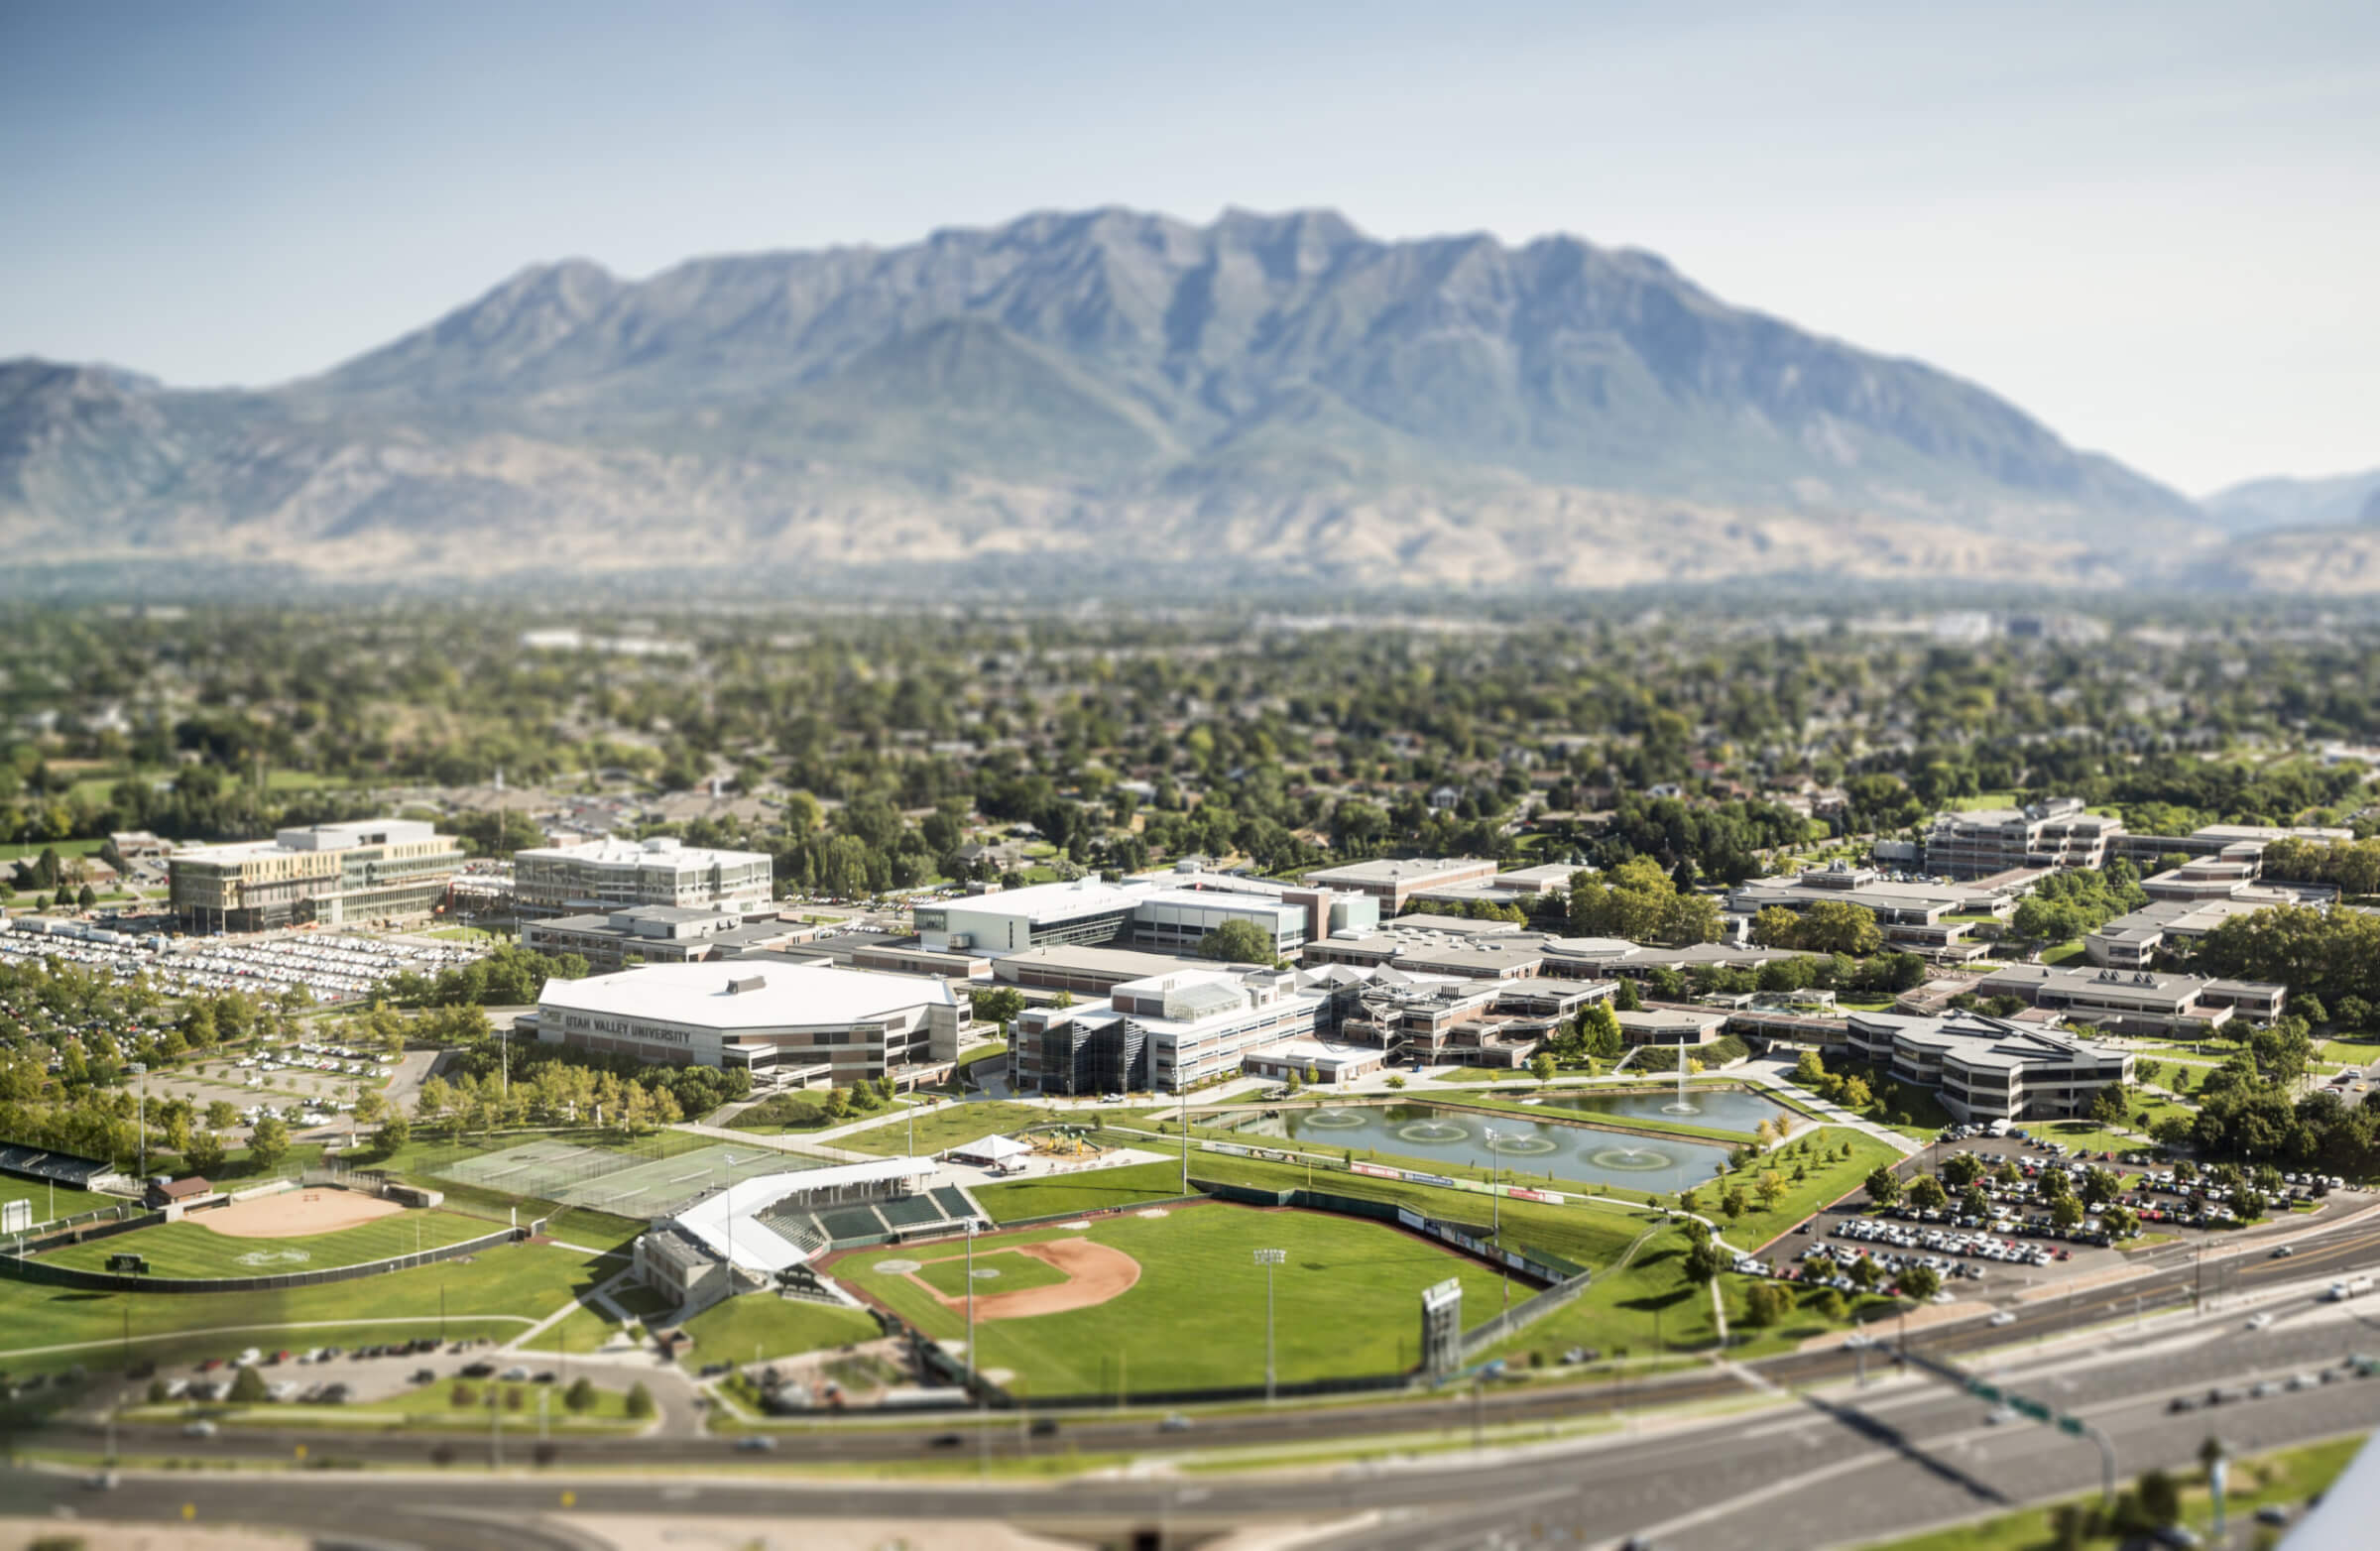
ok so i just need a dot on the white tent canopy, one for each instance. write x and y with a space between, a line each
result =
989 1150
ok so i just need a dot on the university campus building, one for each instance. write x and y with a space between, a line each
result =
801 1021
371 869
2135 1001
597 876
1988 1068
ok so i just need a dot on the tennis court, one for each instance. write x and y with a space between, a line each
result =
623 1183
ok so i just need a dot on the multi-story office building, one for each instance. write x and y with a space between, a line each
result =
803 1019
657 934
1174 911
602 875
1170 1031
1988 1068
2135 1001
1181 918
372 869
1395 883
1084 910
1911 914
2186 904
2055 833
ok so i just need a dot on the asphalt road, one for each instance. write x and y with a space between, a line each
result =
1826 1468
2176 1281
1836 1466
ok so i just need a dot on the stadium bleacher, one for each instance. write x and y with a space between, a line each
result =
852 1222
63 1168
954 1203
912 1211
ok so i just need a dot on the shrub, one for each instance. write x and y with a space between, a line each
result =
639 1402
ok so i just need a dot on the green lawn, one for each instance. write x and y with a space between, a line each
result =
2289 1477
500 1292
32 848
1094 1190
1822 1183
762 1325
2066 952
1650 1307
1011 1270
581 1330
192 1248
1346 1304
945 1127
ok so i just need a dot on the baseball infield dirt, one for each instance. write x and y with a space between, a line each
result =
1094 1274
294 1214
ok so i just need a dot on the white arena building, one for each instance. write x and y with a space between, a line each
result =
763 1018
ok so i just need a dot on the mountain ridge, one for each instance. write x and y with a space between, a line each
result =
1402 409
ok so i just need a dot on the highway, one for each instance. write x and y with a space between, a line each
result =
1829 1464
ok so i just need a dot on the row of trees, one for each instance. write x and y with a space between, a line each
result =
2334 954
1829 926
1639 902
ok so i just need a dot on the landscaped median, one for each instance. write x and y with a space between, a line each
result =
449 1405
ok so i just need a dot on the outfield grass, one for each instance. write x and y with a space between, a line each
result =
763 1326
1346 1304
54 1201
1094 1190
502 1291
2289 1475
1588 1234
192 1248
1012 1272
945 1127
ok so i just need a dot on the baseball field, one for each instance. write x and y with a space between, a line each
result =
1171 1298
194 1247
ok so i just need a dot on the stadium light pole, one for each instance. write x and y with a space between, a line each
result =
1268 1258
971 1305
1183 1094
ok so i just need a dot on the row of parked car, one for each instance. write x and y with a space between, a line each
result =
2087 1231
1864 1229
1890 1262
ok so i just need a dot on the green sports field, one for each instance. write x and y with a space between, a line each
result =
501 1292
192 1248
1347 1303
1011 1270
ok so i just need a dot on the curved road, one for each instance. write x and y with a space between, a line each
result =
1828 1467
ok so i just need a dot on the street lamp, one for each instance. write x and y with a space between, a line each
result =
1268 1258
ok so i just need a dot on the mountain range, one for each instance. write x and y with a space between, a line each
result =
1102 394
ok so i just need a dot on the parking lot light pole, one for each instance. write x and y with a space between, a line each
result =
1268 1258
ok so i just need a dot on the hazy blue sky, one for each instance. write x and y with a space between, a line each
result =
2156 226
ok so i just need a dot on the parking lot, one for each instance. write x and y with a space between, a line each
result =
2018 1246
311 1078
333 968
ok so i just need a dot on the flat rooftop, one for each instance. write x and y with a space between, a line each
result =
1411 870
1044 903
769 995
